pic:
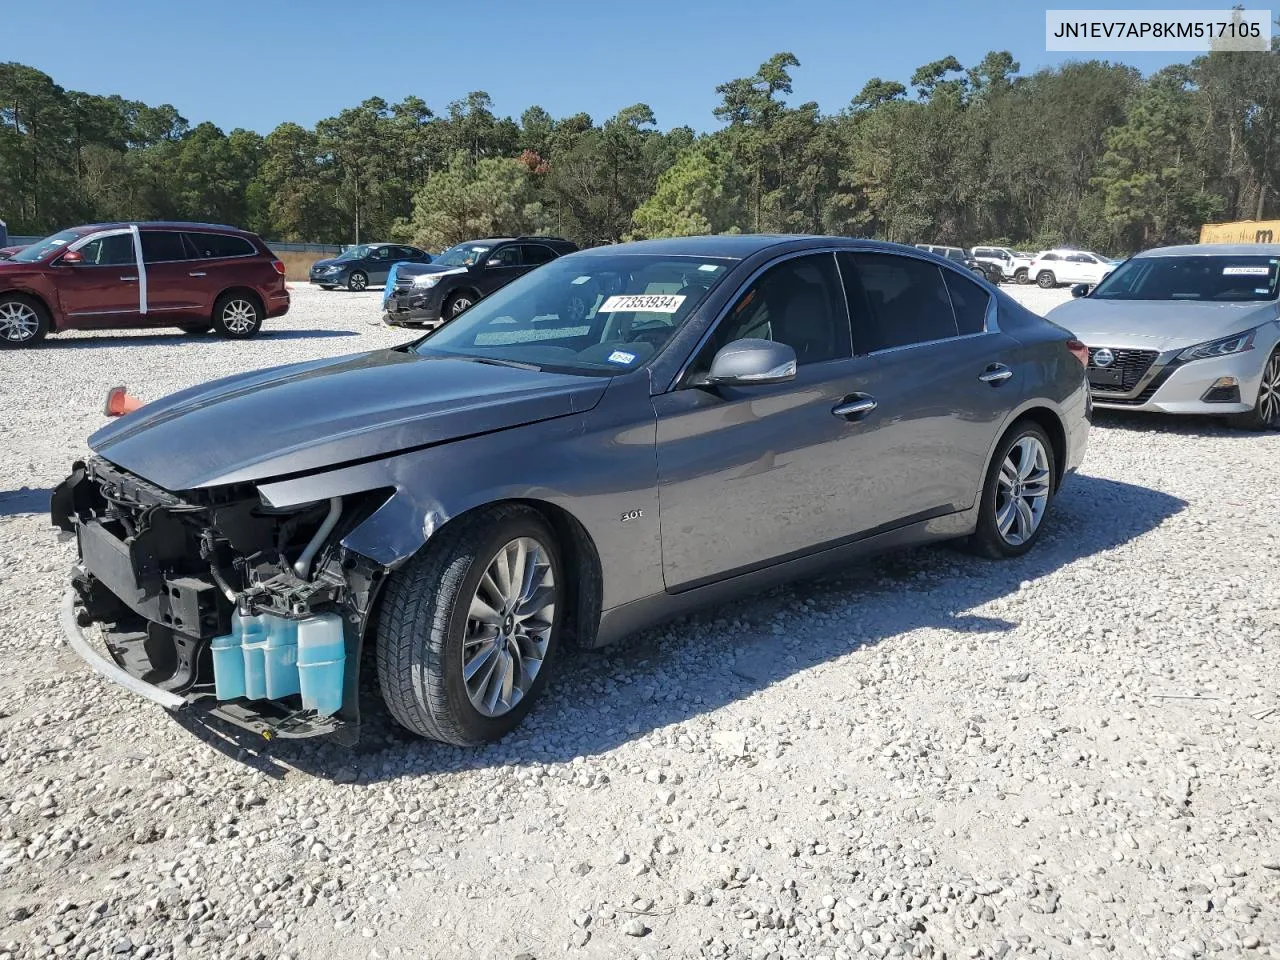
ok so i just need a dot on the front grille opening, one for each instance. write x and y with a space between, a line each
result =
1132 364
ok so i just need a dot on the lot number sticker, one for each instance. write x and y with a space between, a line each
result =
646 302
1245 271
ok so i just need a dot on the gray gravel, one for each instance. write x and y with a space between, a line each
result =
928 755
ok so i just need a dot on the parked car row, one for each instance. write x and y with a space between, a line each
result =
1049 268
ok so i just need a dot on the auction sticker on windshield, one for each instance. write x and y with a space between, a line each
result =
646 302
1245 271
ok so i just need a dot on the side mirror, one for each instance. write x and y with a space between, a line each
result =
750 363
71 257
1081 290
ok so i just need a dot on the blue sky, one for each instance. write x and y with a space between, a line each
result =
254 64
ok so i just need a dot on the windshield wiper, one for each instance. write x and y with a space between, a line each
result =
495 361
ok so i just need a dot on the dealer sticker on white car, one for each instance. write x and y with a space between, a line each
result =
644 302
1245 271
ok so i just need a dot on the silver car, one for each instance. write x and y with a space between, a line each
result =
1190 329
727 412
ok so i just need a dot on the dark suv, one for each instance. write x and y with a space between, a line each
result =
433 294
195 276
357 267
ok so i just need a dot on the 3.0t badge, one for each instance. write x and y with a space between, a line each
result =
632 515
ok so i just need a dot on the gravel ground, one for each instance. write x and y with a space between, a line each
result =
929 755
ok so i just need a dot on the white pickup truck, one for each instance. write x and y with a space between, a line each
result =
1013 264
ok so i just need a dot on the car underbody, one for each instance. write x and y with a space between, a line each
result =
161 573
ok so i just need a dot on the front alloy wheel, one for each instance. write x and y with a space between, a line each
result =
357 281
458 303
21 322
467 629
509 627
1265 414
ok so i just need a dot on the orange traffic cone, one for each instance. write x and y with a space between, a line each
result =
119 402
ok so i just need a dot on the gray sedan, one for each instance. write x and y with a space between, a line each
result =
1191 329
729 412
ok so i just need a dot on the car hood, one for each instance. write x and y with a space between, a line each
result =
408 269
1157 325
312 416
332 262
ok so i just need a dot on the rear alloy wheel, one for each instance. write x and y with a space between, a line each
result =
23 321
1265 414
456 304
357 281
1046 280
468 628
237 316
1018 490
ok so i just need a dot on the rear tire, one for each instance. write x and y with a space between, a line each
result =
1265 414
1021 275
359 280
24 321
237 316
436 614
1016 496
1046 280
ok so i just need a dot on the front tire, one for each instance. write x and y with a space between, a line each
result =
1021 275
237 316
23 321
456 304
1046 280
358 281
1265 414
468 629
1016 496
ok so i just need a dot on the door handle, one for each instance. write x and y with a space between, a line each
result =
995 373
197 273
855 406
129 279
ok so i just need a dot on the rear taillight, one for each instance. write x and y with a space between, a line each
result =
279 265
1079 351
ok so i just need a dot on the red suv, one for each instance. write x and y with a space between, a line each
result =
195 276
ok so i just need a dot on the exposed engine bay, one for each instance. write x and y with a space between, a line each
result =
163 574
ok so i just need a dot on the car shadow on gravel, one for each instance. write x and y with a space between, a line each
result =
24 500
1179 426
179 339
695 665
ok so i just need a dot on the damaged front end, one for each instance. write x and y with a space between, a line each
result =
177 581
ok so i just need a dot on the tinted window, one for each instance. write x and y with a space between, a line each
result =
162 246
1049 256
969 301
219 245
954 254
536 253
113 250
505 257
798 303
407 253
380 253
1081 258
895 300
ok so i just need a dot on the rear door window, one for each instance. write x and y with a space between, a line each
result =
895 301
212 245
968 301
113 250
535 254
162 246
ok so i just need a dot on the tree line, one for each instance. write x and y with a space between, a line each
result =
1088 153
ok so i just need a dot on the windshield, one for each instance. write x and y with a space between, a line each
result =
358 252
1215 278
463 255
599 314
41 249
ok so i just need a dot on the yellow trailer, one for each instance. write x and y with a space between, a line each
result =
1242 231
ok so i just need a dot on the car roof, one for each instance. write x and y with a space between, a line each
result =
738 246
1215 249
158 225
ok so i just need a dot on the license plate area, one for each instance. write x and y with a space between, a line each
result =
1106 377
